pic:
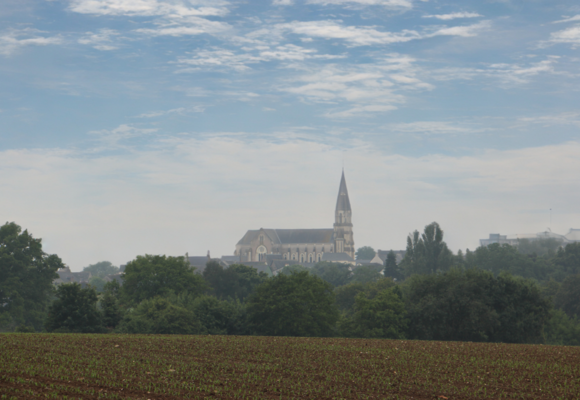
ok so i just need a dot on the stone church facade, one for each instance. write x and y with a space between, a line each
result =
303 245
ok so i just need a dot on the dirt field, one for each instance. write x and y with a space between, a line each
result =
227 367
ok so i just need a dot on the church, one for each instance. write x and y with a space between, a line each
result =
303 245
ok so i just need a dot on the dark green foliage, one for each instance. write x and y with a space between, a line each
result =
221 317
110 310
392 270
568 296
114 287
26 275
235 282
159 316
74 310
427 253
473 305
367 273
293 268
505 258
337 274
568 259
346 294
365 253
379 316
25 329
98 283
102 269
299 304
151 276
562 330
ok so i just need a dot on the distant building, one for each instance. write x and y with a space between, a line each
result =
572 236
66 276
303 245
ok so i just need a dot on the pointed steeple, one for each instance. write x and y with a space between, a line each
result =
342 202
343 237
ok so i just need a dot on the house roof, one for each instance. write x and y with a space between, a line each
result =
291 236
337 257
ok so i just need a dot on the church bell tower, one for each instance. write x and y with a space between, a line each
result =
343 237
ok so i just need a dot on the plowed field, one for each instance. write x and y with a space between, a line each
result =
228 367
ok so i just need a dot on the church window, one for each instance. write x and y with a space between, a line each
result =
261 239
261 252
319 257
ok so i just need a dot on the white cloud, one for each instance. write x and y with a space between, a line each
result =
383 3
282 2
431 128
463 31
193 194
509 74
119 136
185 26
102 40
363 89
569 118
232 59
174 111
570 35
569 19
15 39
447 17
363 36
175 8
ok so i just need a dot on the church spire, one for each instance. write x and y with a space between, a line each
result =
343 237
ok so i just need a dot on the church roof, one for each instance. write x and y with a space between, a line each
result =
343 202
291 236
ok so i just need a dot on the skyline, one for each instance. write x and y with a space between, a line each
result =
164 127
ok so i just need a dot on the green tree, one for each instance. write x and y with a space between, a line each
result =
26 275
473 305
159 316
101 269
98 283
337 274
568 297
367 273
235 282
110 310
562 330
287 270
346 294
568 259
382 316
150 276
299 304
365 253
221 317
74 310
392 270
428 253
539 247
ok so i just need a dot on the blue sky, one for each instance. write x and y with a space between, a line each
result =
164 127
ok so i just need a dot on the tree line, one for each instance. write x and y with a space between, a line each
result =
432 294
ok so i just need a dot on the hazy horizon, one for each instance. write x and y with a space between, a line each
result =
132 127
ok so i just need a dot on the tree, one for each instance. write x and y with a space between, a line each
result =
101 269
159 316
235 282
299 304
539 247
365 253
562 330
391 268
568 297
367 273
287 270
337 274
98 283
382 316
220 317
74 310
473 305
428 253
110 309
568 259
346 294
26 275
150 276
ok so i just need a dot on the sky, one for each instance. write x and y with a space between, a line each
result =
131 127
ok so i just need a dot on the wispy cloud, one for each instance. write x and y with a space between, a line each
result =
569 19
174 111
455 15
176 8
384 3
567 36
432 128
15 39
241 58
102 40
569 118
365 35
113 138
509 74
